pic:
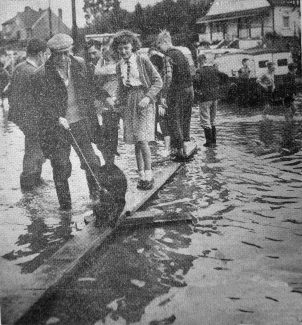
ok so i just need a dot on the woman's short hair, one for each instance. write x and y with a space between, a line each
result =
125 37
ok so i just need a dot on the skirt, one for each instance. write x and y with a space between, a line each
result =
138 122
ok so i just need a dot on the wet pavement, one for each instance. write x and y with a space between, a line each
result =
238 263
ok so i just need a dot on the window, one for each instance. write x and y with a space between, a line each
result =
286 21
262 64
282 62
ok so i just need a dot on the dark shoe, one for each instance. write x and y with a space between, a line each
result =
214 135
148 185
140 184
208 136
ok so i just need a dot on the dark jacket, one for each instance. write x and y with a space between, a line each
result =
208 82
51 99
22 110
181 73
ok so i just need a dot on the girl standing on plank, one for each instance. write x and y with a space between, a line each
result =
138 84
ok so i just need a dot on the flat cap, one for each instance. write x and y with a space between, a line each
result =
60 43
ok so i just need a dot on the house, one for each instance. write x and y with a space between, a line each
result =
248 20
30 23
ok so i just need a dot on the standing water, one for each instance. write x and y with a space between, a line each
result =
239 262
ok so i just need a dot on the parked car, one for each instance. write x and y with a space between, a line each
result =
230 63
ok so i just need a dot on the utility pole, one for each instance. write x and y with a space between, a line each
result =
74 25
49 20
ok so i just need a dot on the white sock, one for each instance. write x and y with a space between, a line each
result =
148 175
141 174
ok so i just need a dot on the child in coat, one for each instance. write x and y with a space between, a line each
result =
138 85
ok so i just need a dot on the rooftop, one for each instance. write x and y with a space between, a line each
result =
29 16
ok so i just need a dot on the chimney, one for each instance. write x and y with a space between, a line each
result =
60 13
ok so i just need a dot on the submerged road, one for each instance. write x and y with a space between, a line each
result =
238 263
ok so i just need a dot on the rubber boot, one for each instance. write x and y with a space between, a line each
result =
214 135
63 194
208 136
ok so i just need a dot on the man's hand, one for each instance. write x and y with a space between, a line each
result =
63 122
110 101
161 110
144 102
97 104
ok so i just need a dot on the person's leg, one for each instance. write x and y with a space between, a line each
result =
204 113
165 132
32 163
267 102
139 160
61 167
143 157
110 144
175 120
213 113
187 112
146 154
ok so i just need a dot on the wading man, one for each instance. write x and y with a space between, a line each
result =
66 102
180 96
24 113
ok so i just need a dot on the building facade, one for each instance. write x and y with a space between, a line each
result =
245 19
30 23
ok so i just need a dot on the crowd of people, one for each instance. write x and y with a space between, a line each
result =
60 100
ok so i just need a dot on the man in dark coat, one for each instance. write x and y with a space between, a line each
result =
25 114
207 91
180 96
64 97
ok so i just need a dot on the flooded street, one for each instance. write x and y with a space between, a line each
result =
239 262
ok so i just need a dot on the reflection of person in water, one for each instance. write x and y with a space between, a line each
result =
39 240
266 132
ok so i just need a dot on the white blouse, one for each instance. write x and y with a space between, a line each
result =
134 79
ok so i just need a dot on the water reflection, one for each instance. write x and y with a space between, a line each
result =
245 196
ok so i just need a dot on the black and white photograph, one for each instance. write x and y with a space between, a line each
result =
150 162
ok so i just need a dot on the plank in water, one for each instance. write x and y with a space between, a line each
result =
155 217
67 259
136 198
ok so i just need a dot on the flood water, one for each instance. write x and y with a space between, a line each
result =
239 262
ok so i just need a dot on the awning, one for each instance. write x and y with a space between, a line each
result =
232 15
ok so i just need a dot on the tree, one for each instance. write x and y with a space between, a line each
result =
138 17
97 7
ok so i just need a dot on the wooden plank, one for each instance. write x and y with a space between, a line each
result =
137 198
67 259
155 218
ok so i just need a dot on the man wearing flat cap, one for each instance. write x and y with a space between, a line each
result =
64 97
